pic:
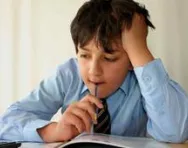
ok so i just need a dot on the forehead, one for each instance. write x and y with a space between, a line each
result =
95 45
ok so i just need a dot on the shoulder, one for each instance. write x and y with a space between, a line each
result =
69 74
68 67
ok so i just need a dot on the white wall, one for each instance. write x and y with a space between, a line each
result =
51 34
43 40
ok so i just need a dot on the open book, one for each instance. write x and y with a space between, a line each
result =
109 141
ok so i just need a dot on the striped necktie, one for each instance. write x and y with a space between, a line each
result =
103 120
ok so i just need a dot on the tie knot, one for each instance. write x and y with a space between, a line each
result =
103 101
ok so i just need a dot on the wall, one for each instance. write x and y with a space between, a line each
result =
35 38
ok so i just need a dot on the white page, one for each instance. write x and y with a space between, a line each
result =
127 142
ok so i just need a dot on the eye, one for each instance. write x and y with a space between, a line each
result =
110 59
84 56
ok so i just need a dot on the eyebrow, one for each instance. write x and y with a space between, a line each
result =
87 49
84 48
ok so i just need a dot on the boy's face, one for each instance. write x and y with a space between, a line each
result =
106 70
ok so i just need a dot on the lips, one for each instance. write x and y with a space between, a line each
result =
96 82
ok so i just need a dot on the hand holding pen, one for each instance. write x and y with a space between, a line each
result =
77 118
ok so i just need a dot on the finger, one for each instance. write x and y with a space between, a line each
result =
72 119
89 108
84 115
93 100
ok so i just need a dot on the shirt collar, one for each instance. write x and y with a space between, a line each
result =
84 89
125 85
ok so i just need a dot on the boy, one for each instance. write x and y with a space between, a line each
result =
113 65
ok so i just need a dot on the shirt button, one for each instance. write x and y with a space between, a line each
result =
147 79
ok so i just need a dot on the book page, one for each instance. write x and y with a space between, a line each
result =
118 141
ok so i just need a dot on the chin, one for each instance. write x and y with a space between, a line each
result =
106 95
102 93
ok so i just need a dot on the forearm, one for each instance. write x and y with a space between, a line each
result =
165 103
47 133
139 54
167 116
20 126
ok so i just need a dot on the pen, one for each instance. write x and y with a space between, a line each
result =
96 111
96 95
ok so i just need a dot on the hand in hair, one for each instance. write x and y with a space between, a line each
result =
134 41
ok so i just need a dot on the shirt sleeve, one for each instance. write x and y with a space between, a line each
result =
22 119
165 102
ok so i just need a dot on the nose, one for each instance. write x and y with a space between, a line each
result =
95 68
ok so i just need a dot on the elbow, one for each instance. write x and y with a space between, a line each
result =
176 139
173 137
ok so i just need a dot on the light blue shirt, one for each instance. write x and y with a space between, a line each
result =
148 101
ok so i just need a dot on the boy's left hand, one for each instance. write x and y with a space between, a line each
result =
134 41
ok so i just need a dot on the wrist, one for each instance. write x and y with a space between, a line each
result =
136 46
46 132
139 55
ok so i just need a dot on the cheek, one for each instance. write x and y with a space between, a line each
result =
116 73
83 68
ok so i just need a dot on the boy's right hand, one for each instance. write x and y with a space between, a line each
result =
76 119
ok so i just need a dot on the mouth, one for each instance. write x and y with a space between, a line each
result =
97 82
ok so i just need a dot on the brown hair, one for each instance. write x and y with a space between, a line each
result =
104 19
